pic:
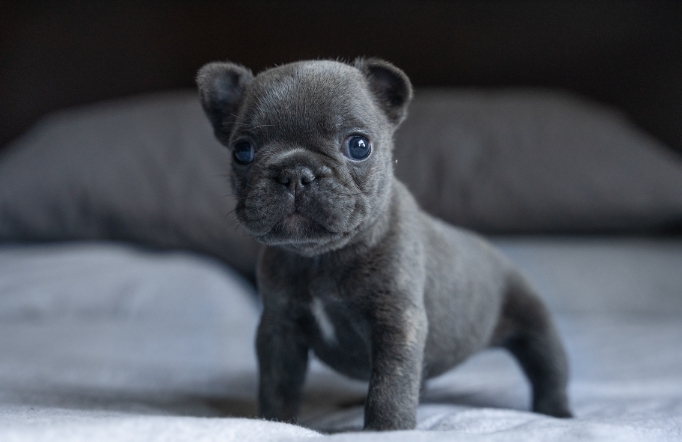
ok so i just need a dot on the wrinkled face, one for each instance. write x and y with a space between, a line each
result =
311 158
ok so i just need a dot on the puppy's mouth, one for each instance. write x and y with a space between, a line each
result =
296 224
299 233
277 215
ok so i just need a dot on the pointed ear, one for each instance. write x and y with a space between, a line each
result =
390 86
221 88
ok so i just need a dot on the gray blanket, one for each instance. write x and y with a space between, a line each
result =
105 342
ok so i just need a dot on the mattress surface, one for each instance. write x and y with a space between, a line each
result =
106 342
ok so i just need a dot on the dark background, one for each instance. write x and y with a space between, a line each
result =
624 53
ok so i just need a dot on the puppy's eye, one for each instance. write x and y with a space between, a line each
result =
357 147
243 152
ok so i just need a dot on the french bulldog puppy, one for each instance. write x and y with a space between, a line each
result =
352 268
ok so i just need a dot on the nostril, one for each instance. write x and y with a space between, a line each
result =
307 178
283 179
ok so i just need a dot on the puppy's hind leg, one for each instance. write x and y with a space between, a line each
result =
527 331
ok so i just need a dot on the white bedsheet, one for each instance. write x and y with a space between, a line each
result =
105 342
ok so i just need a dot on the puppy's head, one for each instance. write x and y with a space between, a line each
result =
311 146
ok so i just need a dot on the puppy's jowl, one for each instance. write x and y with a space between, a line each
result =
352 268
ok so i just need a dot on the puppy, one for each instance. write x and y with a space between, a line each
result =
352 268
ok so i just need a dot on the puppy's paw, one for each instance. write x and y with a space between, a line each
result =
555 407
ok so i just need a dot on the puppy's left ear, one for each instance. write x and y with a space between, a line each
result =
390 86
222 86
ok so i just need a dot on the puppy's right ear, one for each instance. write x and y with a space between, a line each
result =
221 88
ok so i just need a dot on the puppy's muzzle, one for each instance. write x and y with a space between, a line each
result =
296 179
298 173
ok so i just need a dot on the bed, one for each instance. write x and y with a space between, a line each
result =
127 309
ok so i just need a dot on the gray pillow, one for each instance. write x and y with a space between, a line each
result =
533 161
148 170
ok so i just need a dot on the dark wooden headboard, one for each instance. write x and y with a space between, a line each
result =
625 53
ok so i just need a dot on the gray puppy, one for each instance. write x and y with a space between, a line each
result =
353 269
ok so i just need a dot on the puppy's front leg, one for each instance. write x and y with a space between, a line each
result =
283 362
398 341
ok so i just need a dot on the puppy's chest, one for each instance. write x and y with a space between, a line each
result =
333 313
338 331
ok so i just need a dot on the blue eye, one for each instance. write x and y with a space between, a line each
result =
243 152
357 147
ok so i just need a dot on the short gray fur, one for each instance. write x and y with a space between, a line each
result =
353 269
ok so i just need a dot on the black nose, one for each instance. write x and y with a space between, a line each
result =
296 178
